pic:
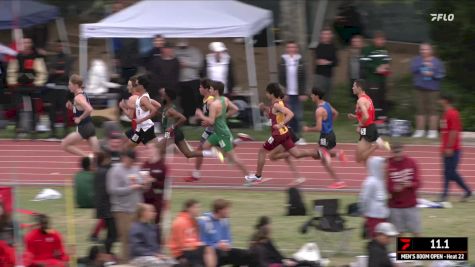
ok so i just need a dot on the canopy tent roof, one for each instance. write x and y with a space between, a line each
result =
25 13
180 19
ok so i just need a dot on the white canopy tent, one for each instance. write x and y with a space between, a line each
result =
189 19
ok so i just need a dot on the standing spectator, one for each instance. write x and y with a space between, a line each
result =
26 75
402 183
165 71
374 69
114 142
184 241
83 184
44 246
428 72
450 128
292 76
215 232
325 60
125 186
191 62
158 43
158 171
219 66
348 22
57 92
354 62
377 247
144 248
102 199
127 56
373 196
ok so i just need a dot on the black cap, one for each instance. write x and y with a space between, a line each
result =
129 153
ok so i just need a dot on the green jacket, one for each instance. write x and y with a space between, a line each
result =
371 58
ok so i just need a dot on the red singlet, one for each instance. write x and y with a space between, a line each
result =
371 112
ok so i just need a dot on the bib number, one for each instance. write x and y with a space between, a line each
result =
363 131
221 143
167 135
135 137
205 135
323 141
270 140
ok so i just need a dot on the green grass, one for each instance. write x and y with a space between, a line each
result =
249 205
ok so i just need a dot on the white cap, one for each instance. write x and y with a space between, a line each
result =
386 228
217 47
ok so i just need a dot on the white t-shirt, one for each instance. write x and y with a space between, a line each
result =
291 68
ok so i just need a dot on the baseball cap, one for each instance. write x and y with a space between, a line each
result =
113 130
217 47
397 146
115 135
386 228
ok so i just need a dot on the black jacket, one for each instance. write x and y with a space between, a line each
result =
378 255
62 62
165 73
328 52
301 74
101 197
266 253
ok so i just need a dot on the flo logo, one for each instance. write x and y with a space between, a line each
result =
442 17
406 243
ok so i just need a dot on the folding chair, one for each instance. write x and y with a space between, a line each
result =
332 232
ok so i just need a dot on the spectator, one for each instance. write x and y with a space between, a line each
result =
6 225
97 258
215 232
125 186
184 240
450 128
354 62
348 22
374 69
114 142
191 62
102 200
377 247
7 255
57 92
158 43
373 196
402 183
325 60
219 66
428 72
127 56
144 248
44 246
83 184
99 77
156 168
165 71
26 74
293 77
264 249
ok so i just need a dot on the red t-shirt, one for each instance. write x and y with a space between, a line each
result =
45 246
450 122
398 173
371 112
158 170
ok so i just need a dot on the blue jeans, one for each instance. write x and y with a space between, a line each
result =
450 173
296 106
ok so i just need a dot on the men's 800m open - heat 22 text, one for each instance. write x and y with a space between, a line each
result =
432 248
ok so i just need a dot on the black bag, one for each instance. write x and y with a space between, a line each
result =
296 207
334 223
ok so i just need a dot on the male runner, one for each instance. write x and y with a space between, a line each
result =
220 109
280 115
325 114
365 115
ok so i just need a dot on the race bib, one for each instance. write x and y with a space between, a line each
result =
363 131
167 135
270 140
323 141
205 135
222 144
135 137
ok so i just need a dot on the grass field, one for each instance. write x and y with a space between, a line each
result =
249 205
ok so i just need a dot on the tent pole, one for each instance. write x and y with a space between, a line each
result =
63 36
252 77
271 53
82 57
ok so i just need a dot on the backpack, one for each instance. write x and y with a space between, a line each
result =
295 205
332 223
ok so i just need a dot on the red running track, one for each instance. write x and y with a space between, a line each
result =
33 162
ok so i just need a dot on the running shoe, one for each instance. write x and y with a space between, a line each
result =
337 185
245 137
341 156
191 179
252 178
218 154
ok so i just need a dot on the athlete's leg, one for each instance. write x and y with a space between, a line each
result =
233 159
261 161
94 143
184 147
363 150
328 167
297 153
69 144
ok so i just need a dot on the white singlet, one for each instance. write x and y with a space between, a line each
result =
140 113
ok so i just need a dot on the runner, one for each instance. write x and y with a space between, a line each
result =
220 109
205 85
85 128
325 114
171 122
128 107
280 115
365 115
144 131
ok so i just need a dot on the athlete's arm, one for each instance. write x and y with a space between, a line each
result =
82 102
232 108
335 113
156 104
127 111
364 110
318 118
265 109
287 113
213 110
180 119
145 102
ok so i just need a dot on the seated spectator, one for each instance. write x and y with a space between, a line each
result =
44 246
7 255
7 252
97 258
377 248
184 241
215 232
144 248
